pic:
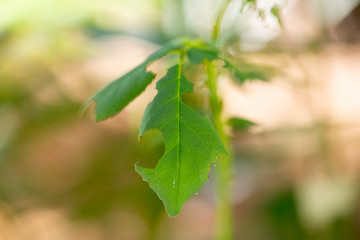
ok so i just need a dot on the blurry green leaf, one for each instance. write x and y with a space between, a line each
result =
115 96
197 55
261 14
275 11
240 124
191 143
246 71
251 3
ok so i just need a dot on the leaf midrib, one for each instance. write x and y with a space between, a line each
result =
178 114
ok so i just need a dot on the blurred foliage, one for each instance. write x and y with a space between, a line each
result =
240 124
244 71
275 10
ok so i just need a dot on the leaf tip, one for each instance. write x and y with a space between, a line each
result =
99 116
173 213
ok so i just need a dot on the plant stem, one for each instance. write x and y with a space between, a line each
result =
224 217
217 26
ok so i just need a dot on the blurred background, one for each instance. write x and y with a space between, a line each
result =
65 177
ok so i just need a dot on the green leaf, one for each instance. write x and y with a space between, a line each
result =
245 72
275 11
191 143
115 96
197 55
261 14
251 3
240 124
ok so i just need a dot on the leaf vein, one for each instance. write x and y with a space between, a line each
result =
187 125
194 158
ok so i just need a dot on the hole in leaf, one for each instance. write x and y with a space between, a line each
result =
152 148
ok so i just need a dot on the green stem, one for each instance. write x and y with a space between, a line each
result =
224 217
217 26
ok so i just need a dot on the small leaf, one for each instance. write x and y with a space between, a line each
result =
114 97
275 11
197 55
247 71
191 143
261 14
250 3
240 124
